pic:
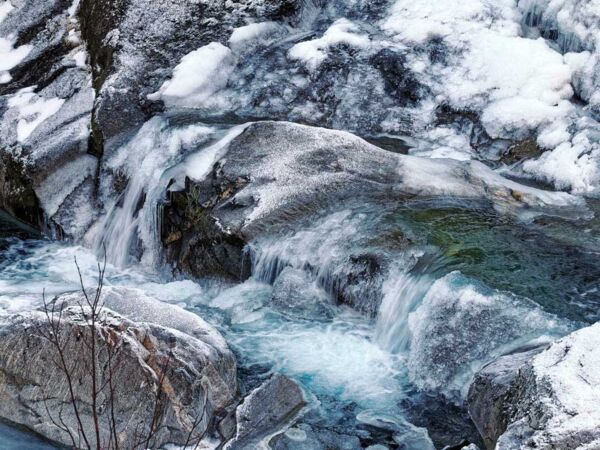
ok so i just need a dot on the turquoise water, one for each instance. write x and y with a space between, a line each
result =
359 385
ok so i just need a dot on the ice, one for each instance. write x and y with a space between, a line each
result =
33 110
144 160
54 189
313 53
199 75
461 325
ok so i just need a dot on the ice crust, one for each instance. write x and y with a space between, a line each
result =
514 70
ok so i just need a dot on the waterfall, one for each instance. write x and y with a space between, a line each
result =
402 293
156 155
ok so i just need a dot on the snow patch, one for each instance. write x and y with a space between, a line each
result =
33 110
197 77
313 53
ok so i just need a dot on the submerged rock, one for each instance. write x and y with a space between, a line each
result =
197 370
544 400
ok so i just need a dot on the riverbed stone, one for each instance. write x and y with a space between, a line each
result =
267 409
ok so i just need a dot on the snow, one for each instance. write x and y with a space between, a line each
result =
10 56
245 35
571 165
33 110
199 75
5 8
313 53
199 164
570 371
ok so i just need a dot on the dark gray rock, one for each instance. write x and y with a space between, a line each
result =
267 409
491 393
275 176
45 116
134 45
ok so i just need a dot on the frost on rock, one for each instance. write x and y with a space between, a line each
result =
545 400
460 326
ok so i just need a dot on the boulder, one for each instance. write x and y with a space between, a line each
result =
279 177
46 101
181 360
490 394
544 400
134 45
265 411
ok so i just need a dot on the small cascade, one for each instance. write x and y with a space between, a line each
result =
540 17
156 155
402 293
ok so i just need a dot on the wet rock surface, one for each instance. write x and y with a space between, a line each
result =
267 409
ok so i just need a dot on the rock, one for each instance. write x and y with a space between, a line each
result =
134 45
305 437
519 151
296 295
275 176
490 394
45 116
547 400
267 409
199 381
461 325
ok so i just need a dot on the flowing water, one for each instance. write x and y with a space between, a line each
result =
370 378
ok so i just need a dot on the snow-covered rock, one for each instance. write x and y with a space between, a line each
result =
270 175
547 400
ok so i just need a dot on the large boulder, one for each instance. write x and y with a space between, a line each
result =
542 399
46 101
266 410
177 372
276 175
